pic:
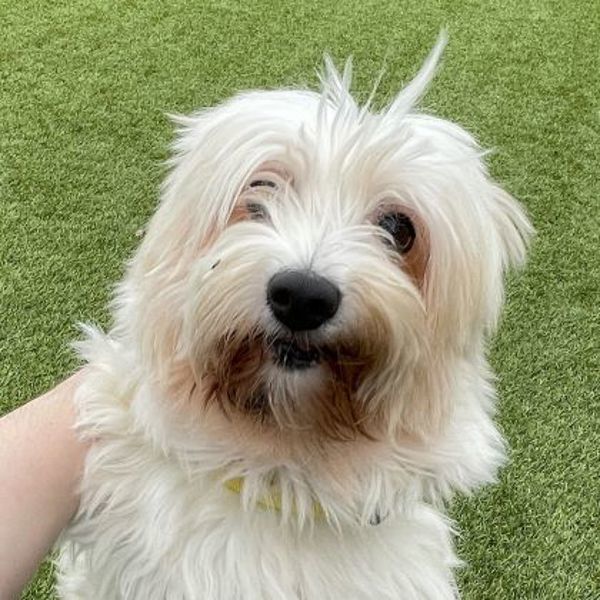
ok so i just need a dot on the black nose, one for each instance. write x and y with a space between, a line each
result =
302 300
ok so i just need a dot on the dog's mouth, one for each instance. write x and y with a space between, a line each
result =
291 355
316 386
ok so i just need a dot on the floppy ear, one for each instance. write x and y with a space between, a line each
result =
514 228
148 302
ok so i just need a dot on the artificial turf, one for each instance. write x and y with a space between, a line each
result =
83 88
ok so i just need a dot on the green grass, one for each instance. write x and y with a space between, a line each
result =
83 88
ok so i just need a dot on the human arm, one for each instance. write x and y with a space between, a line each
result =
41 460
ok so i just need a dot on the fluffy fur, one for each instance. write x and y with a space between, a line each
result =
183 394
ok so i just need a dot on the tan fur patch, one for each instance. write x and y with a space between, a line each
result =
416 259
235 381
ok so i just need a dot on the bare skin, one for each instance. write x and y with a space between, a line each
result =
40 464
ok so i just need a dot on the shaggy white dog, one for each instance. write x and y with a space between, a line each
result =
296 380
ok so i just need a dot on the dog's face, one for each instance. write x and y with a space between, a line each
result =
318 267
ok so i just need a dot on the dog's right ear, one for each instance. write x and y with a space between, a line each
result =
148 303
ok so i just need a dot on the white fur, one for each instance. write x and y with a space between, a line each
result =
156 518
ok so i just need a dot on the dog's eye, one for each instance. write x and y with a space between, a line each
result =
401 228
256 211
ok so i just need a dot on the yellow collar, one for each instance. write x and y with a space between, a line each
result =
272 501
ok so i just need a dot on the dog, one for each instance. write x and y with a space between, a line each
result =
295 382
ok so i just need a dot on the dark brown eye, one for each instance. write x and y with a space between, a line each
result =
400 228
257 211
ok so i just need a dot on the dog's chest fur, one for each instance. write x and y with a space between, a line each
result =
150 529
147 530
166 539
162 543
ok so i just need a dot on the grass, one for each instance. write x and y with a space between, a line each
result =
83 88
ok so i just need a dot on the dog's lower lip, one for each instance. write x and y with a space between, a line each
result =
290 355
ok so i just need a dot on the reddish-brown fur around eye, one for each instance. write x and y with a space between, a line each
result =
415 261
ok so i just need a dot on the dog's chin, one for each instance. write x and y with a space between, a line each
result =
290 382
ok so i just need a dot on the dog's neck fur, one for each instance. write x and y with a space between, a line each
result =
156 512
351 481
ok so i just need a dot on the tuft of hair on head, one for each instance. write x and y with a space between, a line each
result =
335 85
335 91
410 95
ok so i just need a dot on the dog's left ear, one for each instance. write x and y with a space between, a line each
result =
513 226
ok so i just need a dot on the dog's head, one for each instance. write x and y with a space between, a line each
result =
317 266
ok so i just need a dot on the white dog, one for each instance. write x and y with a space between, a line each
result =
296 380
